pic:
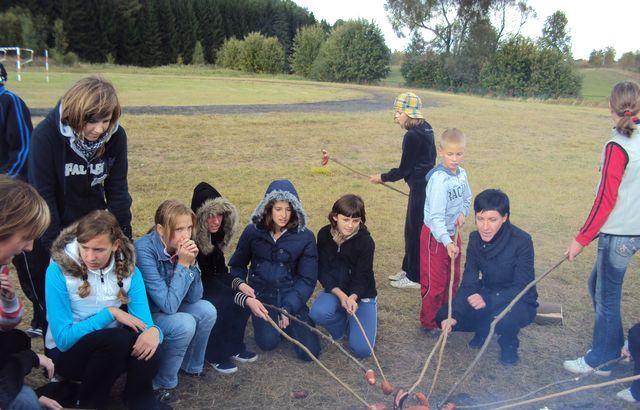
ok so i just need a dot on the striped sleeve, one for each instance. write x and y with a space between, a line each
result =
613 166
18 129
11 313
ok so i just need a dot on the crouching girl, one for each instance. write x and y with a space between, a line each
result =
167 260
283 270
90 338
345 269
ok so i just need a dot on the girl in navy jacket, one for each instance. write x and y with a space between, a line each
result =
283 265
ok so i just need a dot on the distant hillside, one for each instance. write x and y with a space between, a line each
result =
598 82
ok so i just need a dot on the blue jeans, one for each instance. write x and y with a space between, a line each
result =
25 400
186 334
327 311
605 287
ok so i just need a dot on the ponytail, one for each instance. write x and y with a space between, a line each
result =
84 290
625 103
121 272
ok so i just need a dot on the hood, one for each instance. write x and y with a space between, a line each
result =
68 132
207 202
68 259
281 190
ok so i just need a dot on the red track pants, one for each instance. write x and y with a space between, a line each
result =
435 271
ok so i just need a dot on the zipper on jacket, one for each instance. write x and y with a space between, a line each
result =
101 277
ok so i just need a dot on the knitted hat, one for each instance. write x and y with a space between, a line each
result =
410 104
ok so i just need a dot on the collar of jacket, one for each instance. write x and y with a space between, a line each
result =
159 247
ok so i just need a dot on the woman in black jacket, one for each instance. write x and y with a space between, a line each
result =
418 157
78 163
215 227
345 269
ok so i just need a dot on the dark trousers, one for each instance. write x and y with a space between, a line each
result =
634 349
98 359
479 321
412 227
31 268
268 338
227 336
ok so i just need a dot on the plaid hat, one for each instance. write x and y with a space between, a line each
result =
410 104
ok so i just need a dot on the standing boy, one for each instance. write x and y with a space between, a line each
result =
447 203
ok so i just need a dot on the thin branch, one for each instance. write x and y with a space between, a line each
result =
355 171
571 391
545 387
315 359
373 353
426 364
492 328
319 333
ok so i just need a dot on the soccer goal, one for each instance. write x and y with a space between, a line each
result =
23 57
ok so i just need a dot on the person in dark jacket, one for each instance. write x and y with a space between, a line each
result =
15 131
418 157
499 265
345 269
283 268
23 217
78 163
216 224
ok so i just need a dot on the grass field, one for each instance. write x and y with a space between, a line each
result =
597 82
546 163
166 86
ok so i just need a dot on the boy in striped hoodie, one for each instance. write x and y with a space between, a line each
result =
448 199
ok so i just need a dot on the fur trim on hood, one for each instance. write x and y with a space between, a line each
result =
281 190
229 226
71 266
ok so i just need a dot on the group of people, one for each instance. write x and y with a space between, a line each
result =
169 304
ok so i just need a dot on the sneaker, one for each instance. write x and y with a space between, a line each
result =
579 366
509 356
405 283
164 395
398 276
626 395
194 375
34 332
476 342
247 356
432 333
225 368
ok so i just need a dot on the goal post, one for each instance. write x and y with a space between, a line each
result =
23 56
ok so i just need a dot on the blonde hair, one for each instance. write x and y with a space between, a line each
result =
21 209
92 98
452 136
625 103
98 223
167 215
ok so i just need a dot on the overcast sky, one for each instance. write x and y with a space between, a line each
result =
592 24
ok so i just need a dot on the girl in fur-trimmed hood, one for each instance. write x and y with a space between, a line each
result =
90 338
282 261
216 224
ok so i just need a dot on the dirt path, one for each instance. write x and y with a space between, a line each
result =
378 101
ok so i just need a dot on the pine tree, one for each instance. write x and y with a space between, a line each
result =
150 45
168 34
81 22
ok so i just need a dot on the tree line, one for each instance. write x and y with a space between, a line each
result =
146 32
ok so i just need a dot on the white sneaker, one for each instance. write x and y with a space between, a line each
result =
405 283
398 276
579 366
626 395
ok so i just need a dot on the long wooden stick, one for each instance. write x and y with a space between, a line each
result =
538 390
355 171
452 273
426 364
373 353
571 391
492 328
319 333
315 359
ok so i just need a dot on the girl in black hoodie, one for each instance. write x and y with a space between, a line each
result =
215 227
345 269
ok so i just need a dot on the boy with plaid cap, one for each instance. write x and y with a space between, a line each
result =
418 158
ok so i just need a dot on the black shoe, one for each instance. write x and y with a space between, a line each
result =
164 395
195 375
509 355
476 342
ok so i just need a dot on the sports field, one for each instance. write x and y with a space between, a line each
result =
544 156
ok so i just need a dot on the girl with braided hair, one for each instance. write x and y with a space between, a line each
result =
91 338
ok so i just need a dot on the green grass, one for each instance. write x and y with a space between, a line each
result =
598 82
394 79
170 87
547 164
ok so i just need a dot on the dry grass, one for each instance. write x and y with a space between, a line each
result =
544 156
